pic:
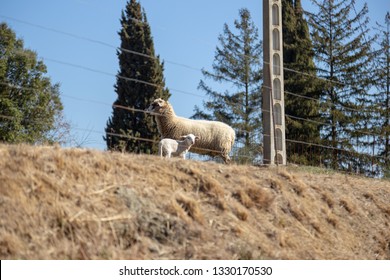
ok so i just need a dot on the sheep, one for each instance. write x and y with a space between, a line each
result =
216 138
178 148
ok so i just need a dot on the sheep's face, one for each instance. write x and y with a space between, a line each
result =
157 106
190 138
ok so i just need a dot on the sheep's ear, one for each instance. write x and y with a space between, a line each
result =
161 102
197 138
182 137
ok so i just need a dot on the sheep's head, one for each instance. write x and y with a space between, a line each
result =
190 138
158 106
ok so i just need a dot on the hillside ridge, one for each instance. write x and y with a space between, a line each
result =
68 203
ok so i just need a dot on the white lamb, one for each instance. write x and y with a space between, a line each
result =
170 147
216 138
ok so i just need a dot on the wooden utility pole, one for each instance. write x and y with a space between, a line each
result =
274 125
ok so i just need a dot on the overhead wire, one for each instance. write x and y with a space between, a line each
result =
151 57
180 91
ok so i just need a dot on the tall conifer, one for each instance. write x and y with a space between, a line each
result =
302 91
139 81
342 51
382 97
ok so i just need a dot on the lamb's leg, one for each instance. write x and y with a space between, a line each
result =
160 152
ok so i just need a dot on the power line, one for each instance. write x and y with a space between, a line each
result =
155 58
75 36
307 74
322 102
112 46
113 75
178 90
121 77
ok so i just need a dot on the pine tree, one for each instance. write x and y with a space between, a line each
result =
237 67
302 91
139 81
30 104
382 97
342 53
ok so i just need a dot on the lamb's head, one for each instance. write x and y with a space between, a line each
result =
190 139
159 106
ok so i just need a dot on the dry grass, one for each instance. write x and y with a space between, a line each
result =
82 204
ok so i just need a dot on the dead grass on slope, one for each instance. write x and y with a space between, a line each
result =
82 204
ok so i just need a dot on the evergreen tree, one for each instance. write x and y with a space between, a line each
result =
237 67
343 52
302 91
30 104
139 81
382 97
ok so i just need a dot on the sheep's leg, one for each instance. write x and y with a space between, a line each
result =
226 158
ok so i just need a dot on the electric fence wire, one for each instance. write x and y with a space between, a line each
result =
152 113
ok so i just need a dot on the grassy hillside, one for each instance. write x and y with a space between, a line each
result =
83 204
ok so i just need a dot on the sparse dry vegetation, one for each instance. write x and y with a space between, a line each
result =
83 204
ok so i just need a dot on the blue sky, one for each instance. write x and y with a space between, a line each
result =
184 32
